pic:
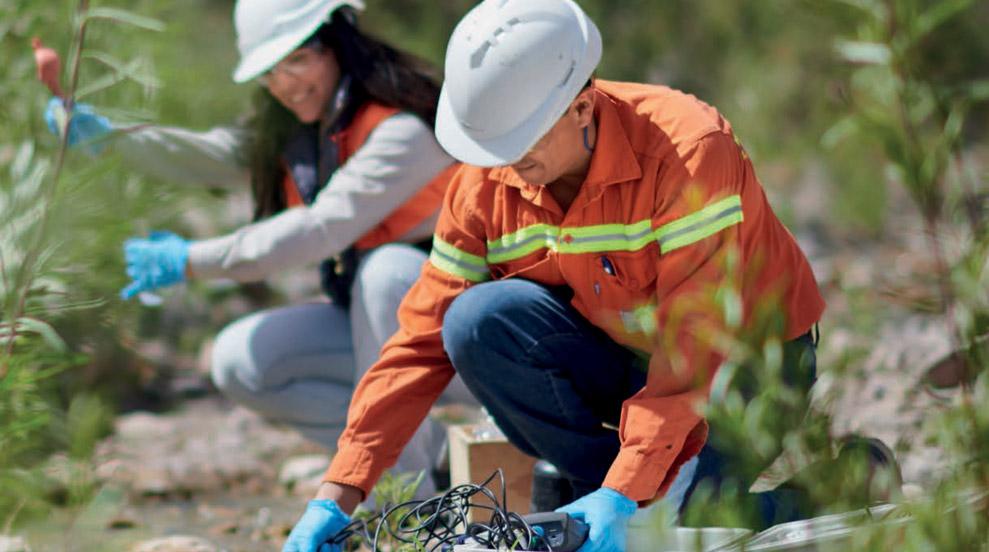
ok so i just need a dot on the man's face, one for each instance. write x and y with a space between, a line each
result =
562 149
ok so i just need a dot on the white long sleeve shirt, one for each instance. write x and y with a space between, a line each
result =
399 157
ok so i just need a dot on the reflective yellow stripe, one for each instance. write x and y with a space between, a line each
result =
523 242
607 237
459 263
572 240
702 224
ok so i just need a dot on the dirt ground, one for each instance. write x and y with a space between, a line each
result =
211 476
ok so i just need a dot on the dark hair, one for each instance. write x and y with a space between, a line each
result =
377 71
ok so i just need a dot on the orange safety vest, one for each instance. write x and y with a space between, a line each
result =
407 216
669 241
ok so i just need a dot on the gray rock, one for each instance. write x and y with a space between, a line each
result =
177 543
889 403
306 488
206 446
13 544
301 468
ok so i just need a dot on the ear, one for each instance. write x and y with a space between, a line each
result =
583 107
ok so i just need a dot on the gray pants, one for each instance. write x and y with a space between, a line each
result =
299 364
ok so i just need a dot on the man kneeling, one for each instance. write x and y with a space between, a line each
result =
575 272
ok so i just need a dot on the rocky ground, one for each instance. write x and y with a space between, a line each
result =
210 476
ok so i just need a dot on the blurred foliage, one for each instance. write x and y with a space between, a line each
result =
835 100
54 242
905 97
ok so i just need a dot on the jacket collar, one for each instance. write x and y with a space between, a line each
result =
612 162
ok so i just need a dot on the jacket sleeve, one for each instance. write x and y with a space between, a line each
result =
698 231
399 158
395 395
212 158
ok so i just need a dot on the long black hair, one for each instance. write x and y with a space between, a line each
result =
377 71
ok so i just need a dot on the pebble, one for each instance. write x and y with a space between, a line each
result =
300 468
179 543
13 544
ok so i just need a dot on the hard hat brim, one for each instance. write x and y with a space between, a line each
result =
500 150
266 55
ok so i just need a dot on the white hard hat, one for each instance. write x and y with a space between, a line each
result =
512 69
269 30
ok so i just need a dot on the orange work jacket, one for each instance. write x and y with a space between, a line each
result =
669 226
410 214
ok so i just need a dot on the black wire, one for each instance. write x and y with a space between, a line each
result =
442 521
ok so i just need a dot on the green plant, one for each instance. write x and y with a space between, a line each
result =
390 491
37 289
916 114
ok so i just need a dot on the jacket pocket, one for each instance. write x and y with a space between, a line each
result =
632 271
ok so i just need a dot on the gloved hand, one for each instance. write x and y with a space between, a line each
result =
86 127
154 262
606 513
322 520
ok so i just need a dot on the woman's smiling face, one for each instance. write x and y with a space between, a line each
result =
304 81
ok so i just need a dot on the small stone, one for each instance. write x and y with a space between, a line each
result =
111 470
301 468
204 361
263 518
13 544
126 519
176 544
306 488
913 492
225 528
152 480
277 531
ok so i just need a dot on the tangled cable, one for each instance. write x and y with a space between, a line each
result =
439 523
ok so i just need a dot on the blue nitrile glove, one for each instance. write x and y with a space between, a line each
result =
606 513
322 520
87 126
153 262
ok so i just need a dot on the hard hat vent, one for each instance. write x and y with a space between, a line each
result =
511 70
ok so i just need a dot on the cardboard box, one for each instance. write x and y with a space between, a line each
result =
476 452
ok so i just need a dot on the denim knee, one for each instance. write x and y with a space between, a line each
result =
474 323
462 322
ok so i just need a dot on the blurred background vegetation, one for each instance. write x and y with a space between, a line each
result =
850 109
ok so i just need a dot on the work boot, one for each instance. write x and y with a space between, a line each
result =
884 479
550 489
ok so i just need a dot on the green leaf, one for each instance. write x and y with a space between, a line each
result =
22 161
106 59
105 82
44 330
938 15
874 8
133 70
978 90
126 17
955 123
868 53
839 132
68 307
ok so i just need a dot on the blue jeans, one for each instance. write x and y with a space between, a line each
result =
546 375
